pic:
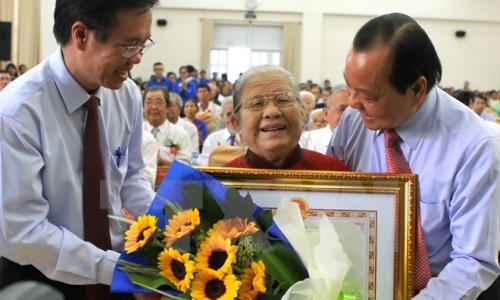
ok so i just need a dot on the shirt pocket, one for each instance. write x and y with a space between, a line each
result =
118 163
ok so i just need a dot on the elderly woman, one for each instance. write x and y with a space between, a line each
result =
270 116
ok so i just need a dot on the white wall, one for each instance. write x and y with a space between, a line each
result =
328 27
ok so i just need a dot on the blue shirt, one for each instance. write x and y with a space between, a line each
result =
42 124
164 82
457 159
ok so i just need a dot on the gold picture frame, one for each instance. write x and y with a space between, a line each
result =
382 206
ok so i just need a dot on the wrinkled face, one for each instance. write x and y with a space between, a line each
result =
103 60
478 105
4 80
370 92
308 102
317 121
271 132
190 109
155 108
158 70
174 110
337 107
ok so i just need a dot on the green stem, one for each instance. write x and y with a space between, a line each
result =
237 270
278 289
158 244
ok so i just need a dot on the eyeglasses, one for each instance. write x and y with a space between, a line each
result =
129 51
259 102
155 102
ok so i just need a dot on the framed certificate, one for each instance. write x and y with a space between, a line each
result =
374 215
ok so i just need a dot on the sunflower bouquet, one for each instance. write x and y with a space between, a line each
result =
202 240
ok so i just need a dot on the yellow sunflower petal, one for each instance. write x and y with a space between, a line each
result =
217 254
140 232
253 281
177 268
207 285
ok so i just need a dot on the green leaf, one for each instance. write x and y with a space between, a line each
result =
210 211
265 219
234 206
261 296
149 281
283 265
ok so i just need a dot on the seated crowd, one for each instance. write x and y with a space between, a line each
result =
202 111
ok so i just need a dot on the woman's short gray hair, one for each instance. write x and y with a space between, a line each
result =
263 70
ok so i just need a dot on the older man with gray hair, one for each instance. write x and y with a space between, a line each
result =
319 139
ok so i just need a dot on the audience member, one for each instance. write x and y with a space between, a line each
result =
190 111
270 116
318 140
399 122
22 69
12 70
59 186
173 141
173 117
158 79
209 112
317 119
227 136
4 79
478 106
307 98
185 85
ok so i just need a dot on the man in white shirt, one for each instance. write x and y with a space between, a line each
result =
173 117
173 141
319 139
226 136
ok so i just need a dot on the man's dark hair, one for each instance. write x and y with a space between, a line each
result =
157 64
203 86
480 96
413 54
99 15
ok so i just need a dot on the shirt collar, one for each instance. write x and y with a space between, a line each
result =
72 94
412 131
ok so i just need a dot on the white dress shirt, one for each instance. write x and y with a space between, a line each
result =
192 131
150 154
221 137
316 140
170 134
41 212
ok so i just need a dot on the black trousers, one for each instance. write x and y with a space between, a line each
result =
492 293
11 272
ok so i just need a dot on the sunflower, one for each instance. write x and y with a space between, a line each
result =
181 224
208 286
217 254
177 268
140 232
253 281
232 228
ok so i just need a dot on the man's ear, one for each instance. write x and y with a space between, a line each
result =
419 90
325 112
80 35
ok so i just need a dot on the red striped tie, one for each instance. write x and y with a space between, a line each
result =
397 163
95 200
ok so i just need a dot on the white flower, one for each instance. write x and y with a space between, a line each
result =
319 250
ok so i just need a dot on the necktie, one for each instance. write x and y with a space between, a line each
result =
95 216
154 131
397 163
231 139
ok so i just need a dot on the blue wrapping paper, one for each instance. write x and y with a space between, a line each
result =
171 189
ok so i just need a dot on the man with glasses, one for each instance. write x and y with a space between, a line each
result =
80 93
